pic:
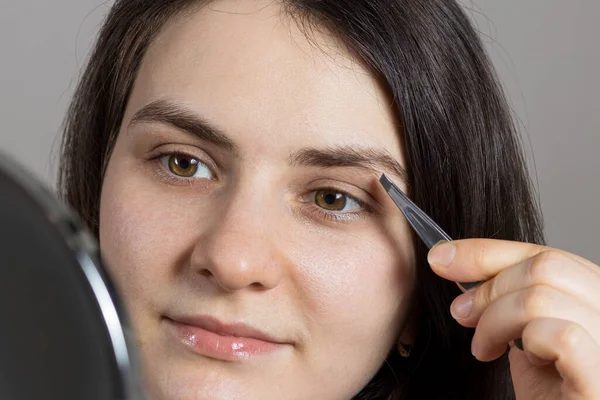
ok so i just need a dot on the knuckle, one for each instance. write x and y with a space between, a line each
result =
571 336
483 294
544 265
487 292
535 301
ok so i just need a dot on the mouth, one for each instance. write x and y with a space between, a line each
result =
207 336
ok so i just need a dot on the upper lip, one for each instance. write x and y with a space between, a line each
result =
225 329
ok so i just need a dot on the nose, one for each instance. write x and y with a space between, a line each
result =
240 248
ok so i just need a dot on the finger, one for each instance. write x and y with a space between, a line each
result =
548 268
471 260
576 355
505 319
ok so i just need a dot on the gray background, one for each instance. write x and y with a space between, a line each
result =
547 53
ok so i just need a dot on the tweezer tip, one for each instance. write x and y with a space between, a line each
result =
387 184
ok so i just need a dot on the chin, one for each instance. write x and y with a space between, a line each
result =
203 382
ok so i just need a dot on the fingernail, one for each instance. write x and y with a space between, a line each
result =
474 349
462 306
442 254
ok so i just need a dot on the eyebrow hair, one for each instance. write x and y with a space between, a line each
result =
350 156
174 114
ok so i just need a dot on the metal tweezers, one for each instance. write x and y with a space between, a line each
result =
429 232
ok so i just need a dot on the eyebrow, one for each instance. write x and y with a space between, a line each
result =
171 113
372 159
177 115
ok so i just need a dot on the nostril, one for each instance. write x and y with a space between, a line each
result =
257 285
205 273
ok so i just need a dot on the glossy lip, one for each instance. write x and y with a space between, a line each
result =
238 330
212 338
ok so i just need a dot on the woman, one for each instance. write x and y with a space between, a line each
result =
226 153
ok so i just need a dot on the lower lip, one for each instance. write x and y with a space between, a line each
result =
212 345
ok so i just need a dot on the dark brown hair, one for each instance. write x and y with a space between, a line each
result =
465 163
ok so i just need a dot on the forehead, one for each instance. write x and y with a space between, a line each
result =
249 67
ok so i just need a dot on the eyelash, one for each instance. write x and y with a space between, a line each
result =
334 216
168 176
331 216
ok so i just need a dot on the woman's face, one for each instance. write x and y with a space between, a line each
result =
242 217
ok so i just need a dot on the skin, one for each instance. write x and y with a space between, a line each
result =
250 244
245 240
548 297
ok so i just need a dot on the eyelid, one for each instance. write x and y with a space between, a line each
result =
338 216
189 151
346 187
164 174
334 189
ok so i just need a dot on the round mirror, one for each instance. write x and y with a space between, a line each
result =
64 334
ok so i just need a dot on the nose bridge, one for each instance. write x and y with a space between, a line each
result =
239 248
246 206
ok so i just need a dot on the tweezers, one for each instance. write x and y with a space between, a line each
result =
429 232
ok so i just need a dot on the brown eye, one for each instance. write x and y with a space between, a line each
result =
182 165
186 167
331 200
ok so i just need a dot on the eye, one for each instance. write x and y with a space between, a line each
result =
334 200
185 166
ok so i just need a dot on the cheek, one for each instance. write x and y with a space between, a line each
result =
122 241
121 238
139 235
357 287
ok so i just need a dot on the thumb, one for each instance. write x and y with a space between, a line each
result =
533 380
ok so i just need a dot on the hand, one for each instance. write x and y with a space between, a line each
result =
548 297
